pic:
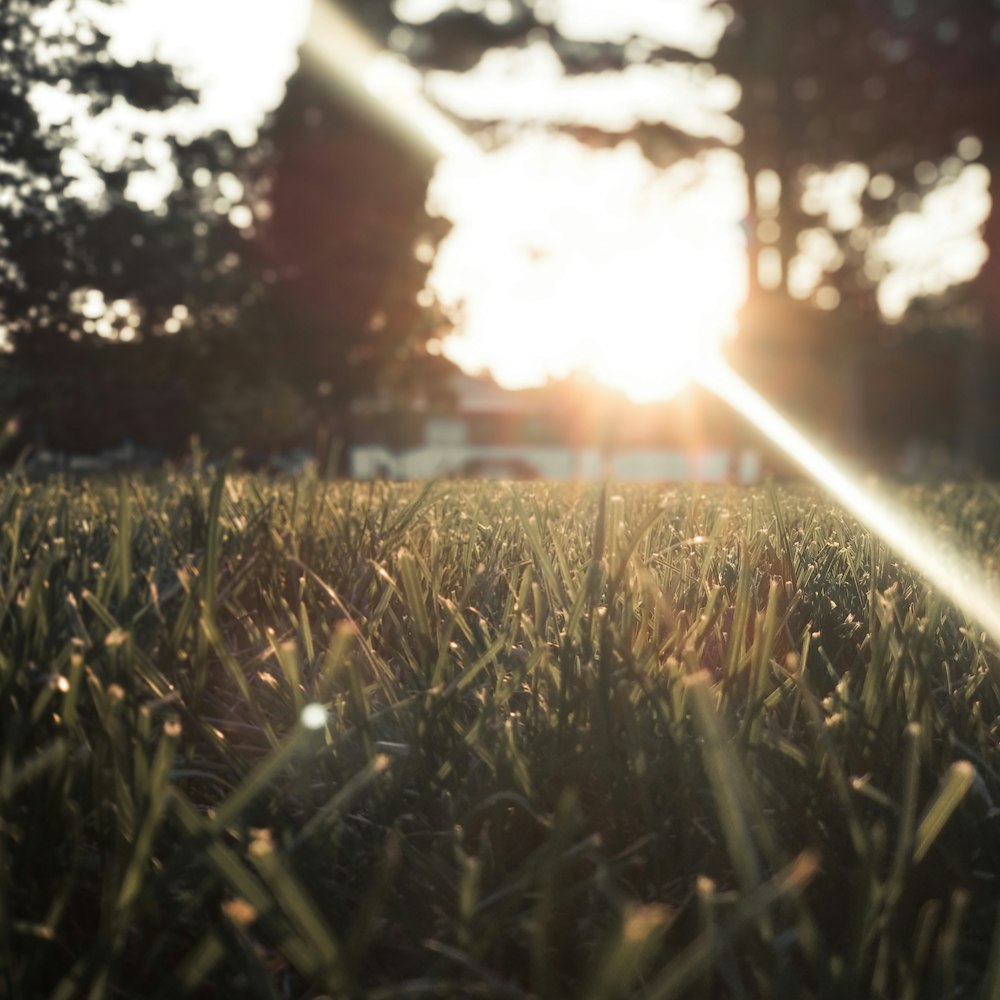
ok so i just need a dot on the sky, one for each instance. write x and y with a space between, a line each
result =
551 240
529 85
237 53
691 25
241 54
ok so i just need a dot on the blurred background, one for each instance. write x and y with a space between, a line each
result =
498 237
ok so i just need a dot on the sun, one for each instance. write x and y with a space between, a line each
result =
564 259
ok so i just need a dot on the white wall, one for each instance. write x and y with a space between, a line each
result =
561 463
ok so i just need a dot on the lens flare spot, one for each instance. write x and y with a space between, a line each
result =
314 716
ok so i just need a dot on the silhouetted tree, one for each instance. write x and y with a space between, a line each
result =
895 88
876 85
957 49
953 55
339 314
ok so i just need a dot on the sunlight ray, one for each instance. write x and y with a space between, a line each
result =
957 576
339 48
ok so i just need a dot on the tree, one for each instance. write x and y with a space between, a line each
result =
953 60
340 314
889 92
958 46
47 248
855 85
105 300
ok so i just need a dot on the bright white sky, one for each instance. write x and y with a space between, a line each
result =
937 246
529 85
237 53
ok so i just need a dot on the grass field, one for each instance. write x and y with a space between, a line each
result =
575 742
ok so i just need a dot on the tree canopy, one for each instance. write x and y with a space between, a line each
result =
86 266
890 88
66 223
339 310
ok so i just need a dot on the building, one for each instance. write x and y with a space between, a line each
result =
563 431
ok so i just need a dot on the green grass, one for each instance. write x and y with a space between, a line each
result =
580 743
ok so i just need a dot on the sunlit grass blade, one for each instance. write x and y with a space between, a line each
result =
266 772
684 971
14 779
322 953
949 796
415 595
991 983
123 549
156 796
326 815
907 809
729 785
629 952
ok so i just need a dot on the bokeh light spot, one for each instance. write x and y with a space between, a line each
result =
314 716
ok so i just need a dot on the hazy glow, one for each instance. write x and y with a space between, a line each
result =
693 25
921 252
836 194
565 259
149 188
562 258
422 11
959 578
530 85
818 254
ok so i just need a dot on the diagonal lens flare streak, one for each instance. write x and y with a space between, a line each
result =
344 54
957 576
339 49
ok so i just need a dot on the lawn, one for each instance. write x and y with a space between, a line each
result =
292 739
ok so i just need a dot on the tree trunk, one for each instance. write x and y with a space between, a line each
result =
987 284
753 241
980 382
